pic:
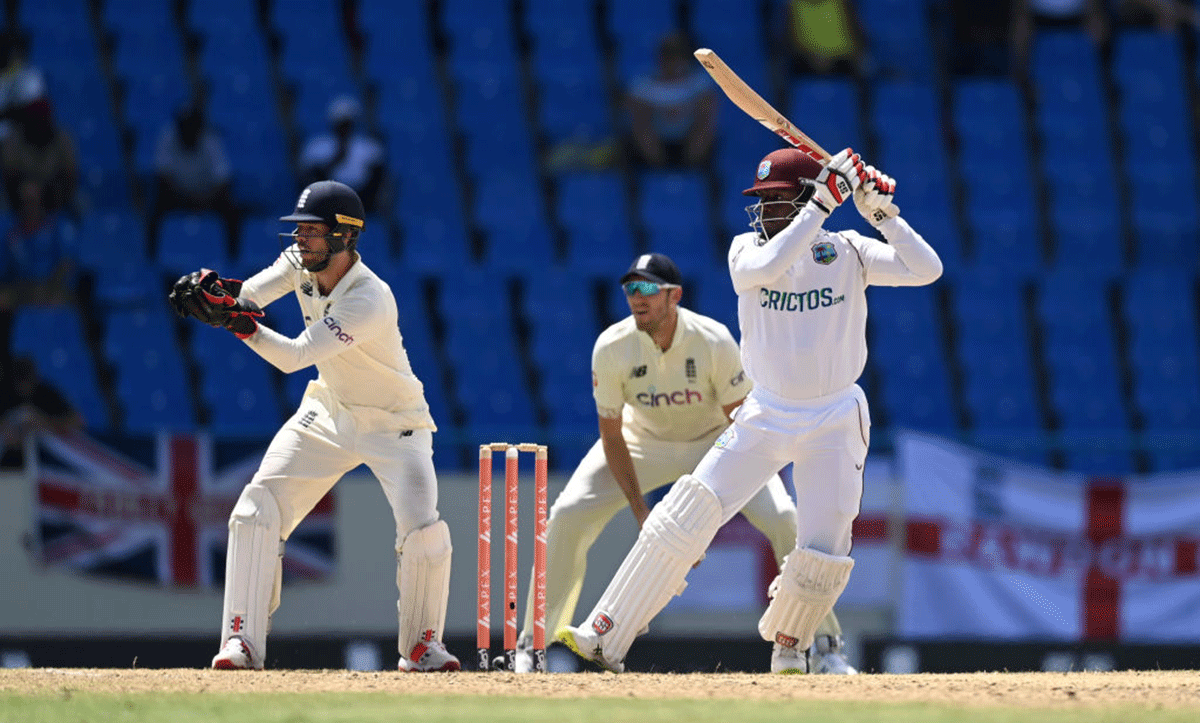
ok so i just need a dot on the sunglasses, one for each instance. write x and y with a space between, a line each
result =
645 288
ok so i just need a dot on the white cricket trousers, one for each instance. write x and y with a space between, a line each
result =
317 446
592 498
825 438
320 443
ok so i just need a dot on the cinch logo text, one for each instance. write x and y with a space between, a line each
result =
336 328
666 399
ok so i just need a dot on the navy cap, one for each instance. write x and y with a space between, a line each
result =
654 267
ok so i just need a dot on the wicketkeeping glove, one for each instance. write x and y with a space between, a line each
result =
204 295
874 197
838 180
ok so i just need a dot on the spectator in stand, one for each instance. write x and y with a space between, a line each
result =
39 150
30 404
192 173
825 38
345 154
982 38
37 261
673 111
20 82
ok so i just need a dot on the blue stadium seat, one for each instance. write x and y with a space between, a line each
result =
151 385
673 208
832 131
110 239
637 27
508 207
236 385
566 45
899 31
593 210
188 241
573 106
54 337
905 341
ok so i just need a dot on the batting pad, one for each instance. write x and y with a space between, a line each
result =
802 595
252 566
423 578
672 539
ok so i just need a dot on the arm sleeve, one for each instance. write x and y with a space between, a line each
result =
607 386
751 265
269 284
906 260
730 380
357 320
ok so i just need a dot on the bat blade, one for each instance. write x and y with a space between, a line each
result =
753 105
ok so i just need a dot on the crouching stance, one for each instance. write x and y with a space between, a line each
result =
365 407
802 310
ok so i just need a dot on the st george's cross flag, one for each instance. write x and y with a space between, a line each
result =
1000 550
161 519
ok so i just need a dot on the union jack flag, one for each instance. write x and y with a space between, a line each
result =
160 520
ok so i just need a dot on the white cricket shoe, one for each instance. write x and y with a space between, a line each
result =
429 656
526 658
236 655
587 646
788 661
826 657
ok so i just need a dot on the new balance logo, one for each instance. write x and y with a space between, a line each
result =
638 372
308 418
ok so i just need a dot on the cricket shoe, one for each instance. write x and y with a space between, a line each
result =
788 660
526 657
429 656
826 657
587 646
236 655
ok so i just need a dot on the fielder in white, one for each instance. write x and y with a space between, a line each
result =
802 311
665 380
365 407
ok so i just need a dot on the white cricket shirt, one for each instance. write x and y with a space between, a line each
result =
674 395
353 339
802 304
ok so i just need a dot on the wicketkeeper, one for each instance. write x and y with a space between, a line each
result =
365 407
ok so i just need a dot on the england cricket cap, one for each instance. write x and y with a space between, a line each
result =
654 267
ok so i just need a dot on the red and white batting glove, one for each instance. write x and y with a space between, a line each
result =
874 197
837 181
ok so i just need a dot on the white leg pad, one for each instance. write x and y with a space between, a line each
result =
672 539
253 563
423 579
802 595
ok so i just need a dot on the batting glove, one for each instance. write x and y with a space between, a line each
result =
837 181
874 197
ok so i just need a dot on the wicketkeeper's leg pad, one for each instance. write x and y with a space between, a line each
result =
673 538
423 579
252 569
802 595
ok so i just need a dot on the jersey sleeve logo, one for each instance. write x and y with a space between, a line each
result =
337 330
824 253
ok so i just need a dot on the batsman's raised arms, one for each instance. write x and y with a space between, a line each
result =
753 105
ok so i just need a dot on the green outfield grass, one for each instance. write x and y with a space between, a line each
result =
69 707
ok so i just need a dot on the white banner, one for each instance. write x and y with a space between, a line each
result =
1000 550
